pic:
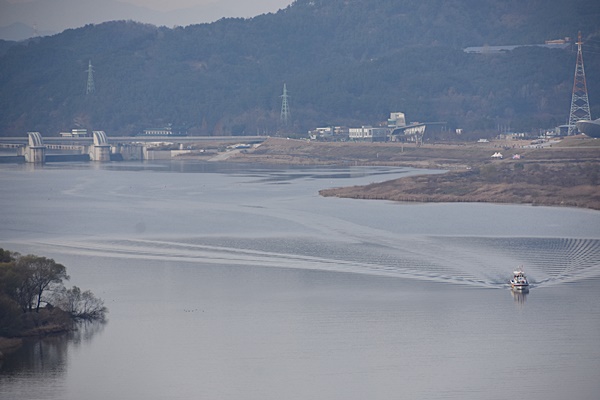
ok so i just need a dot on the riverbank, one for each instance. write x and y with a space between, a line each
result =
564 173
21 315
529 184
303 152
9 345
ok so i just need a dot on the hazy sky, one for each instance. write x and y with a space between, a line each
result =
53 16
261 6
168 5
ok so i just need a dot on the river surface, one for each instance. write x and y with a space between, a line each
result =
241 282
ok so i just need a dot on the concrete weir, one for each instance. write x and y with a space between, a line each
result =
35 152
100 150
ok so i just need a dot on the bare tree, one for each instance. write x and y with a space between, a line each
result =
42 274
81 305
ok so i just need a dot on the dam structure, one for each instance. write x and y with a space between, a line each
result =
36 149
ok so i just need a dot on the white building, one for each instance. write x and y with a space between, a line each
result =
329 133
397 119
321 133
75 133
368 133
167 131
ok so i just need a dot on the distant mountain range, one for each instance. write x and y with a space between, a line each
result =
20 31
345 62
53 16
20 21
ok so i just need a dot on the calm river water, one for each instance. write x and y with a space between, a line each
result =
241 282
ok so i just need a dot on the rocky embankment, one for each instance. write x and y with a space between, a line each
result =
564 174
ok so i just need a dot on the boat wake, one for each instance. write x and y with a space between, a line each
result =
475 261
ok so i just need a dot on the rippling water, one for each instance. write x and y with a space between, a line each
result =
230 282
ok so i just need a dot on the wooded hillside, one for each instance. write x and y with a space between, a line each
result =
344 62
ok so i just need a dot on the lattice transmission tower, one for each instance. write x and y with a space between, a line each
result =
90 80
285 107
580 106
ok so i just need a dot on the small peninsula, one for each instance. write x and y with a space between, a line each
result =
561 173
34 301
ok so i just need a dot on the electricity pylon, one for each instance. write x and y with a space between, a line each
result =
580 106
90 80
285 108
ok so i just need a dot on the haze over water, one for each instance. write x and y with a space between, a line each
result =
229 282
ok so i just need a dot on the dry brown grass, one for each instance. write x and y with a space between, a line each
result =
548 185
566 174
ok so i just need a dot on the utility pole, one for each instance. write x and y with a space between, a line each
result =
580 106
90 80
285 108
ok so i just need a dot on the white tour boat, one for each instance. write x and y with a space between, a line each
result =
519 280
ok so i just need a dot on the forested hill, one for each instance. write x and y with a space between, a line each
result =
345 62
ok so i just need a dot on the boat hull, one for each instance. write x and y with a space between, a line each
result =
519 286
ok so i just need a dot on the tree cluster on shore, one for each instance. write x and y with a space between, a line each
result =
34 300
